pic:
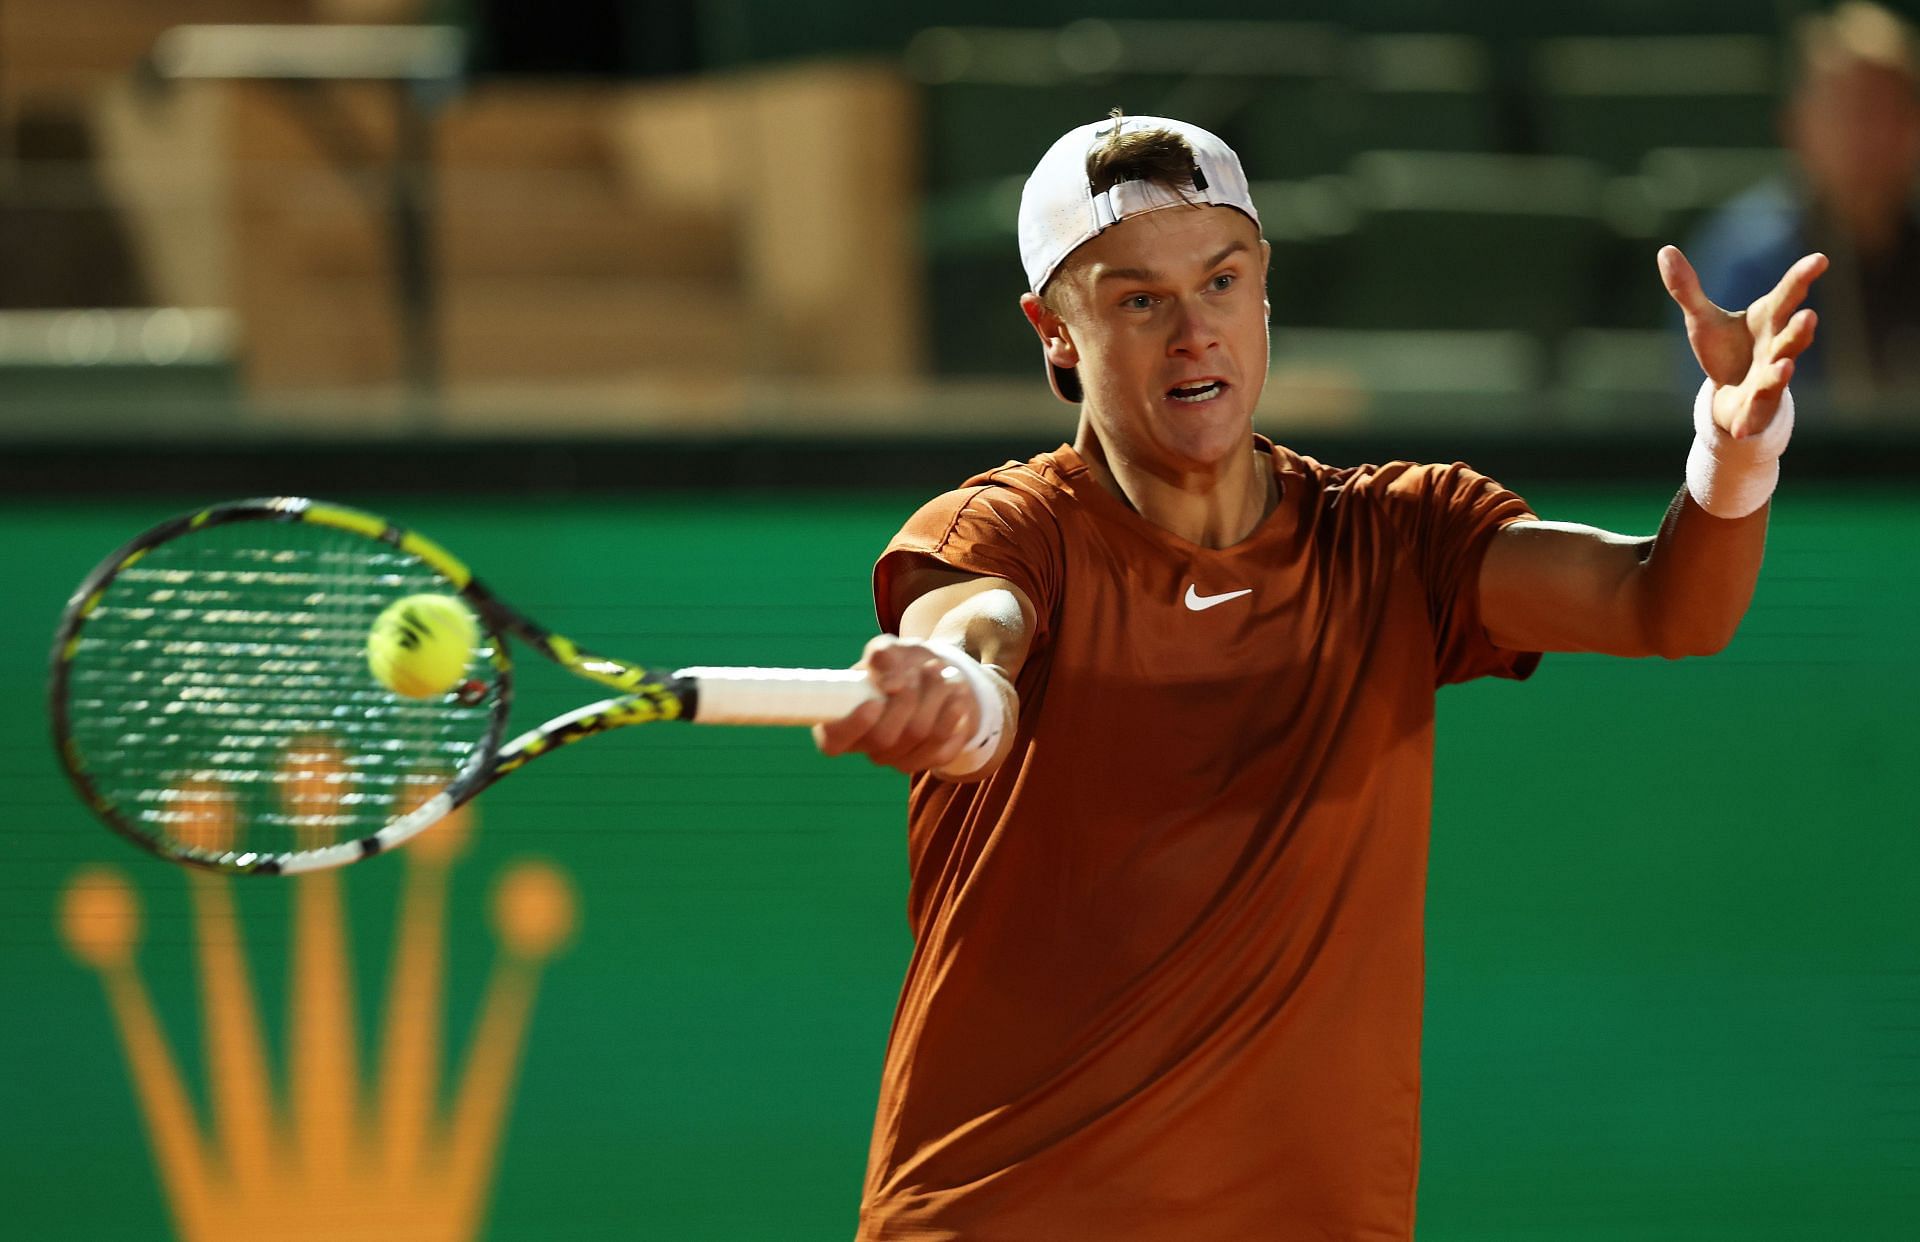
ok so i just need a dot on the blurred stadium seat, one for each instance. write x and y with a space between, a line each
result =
1661 203
996 98
1613 100
1270 88
1420 92
1433 376
1606 376
1309 225
1469 241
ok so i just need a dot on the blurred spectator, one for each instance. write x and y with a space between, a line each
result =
1852 126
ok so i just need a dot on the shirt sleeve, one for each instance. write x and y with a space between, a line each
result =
1447 516
992 530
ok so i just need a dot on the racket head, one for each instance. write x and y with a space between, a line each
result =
211 700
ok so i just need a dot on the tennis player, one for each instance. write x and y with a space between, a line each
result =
1167 694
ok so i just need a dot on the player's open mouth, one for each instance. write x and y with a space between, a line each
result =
1193 394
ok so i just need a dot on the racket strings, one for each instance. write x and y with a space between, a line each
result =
220 695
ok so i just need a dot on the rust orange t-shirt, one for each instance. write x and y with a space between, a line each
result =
1167 966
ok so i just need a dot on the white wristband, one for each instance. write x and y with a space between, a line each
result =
993 713
1731 478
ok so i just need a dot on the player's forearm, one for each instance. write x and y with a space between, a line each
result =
988 618
990 622
992 627
1698 578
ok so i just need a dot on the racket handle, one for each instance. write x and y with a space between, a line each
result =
777 696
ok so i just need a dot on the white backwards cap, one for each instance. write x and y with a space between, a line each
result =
1059 212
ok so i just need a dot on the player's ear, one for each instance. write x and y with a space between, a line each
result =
1266 263
1055 338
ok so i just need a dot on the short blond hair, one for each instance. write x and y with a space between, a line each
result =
1157 156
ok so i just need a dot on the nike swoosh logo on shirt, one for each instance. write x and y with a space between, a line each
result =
1200 603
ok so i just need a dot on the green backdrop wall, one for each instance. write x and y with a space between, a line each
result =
1674 970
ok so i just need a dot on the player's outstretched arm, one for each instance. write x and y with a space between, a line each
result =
1558 586
1550 586
931 711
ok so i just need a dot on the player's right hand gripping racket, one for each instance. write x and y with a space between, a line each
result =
212 701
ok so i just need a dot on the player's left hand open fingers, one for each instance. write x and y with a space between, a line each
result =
1787 296
1683 283
1722 340
1793 340
1755 404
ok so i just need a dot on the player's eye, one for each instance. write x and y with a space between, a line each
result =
1139 301
1223 282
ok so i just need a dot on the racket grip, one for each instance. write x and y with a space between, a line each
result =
777 696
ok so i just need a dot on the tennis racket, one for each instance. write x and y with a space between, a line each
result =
212 701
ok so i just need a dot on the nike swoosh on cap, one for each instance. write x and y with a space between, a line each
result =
1200 603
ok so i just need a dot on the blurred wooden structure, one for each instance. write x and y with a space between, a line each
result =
59 53
738 227
759 224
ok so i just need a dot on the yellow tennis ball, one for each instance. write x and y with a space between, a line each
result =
419 647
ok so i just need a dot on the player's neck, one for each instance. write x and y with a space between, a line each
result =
1214 509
